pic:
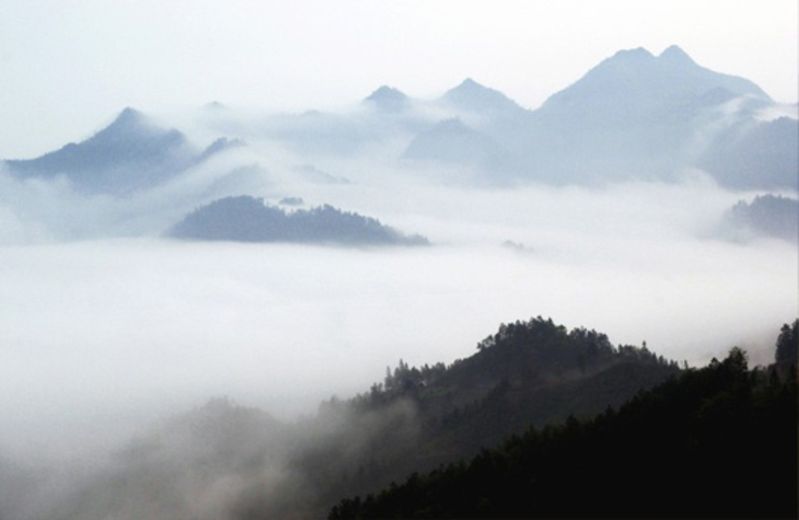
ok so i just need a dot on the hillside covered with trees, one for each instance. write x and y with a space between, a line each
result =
248 219
720 441
532 372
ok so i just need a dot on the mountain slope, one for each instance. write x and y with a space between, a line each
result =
646 83
756 155
225 461
634 115
129 154
532 372
454 143
714 442
639 116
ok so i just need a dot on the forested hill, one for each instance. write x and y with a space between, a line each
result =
533 372
248 219
714 442
238 463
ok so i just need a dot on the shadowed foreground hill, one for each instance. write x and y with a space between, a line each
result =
533 372
714 442
247 219
224 461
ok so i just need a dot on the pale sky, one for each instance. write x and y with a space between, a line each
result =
66 67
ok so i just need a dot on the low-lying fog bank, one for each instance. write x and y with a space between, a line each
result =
101 337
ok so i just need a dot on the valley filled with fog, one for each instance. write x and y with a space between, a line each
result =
119 331
138 283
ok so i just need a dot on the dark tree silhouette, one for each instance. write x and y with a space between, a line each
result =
720 442
787 343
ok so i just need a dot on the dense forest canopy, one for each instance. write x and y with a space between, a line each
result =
720 441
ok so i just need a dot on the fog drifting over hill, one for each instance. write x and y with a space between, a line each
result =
103 336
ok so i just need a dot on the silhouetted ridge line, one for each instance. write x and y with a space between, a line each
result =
713 442
130 154
248 219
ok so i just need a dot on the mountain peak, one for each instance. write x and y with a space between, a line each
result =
385 91
472 88
128 116
387 98
675 54
473 96
470 83
636 78
127 121
636 55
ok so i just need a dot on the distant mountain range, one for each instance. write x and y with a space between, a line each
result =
248 219
131 153
634 116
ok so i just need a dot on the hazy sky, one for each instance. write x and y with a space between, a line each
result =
67 66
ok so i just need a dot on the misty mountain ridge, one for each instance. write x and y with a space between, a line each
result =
227 461
388 99
451 141
471 96
642 81
248 219
755 154
768 215
634 116
131 153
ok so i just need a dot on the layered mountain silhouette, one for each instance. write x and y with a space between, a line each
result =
453 142
765 216
755 154
644 83
633 116
131 153
248 219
